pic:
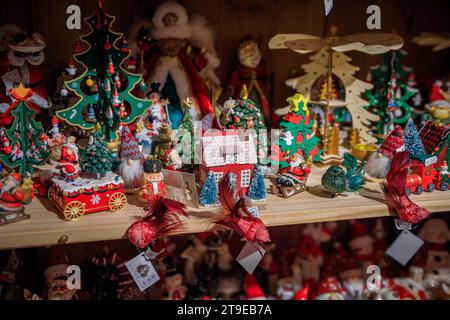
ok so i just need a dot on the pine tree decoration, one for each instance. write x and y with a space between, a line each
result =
246 114
97 157
210 191
25 135
390 95
412 141
105 86
352 91
296 133
331 87
184 138
257 189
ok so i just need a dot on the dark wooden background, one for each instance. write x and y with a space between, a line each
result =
262 19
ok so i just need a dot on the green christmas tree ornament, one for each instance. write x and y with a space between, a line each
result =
105 89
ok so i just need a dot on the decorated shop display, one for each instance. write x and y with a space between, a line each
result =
395 190
330 65
131 159
25 144
21 56
297 147
152 184
336 180
251 71
236 214
162 218
105 88
379 163
181 58
390 96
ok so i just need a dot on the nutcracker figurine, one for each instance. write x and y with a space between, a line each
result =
153 186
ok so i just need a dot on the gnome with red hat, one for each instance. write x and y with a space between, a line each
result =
330 289
254 291
379 163
130 167
11 193
56 277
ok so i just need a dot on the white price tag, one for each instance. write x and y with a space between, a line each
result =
142 271
404 247
328 6
250 256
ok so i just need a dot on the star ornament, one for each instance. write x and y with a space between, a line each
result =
296 101
20 93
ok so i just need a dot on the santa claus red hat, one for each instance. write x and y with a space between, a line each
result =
309 247
57 265
254 291
129 148
358 230
392 143
16 176
302 294
329 285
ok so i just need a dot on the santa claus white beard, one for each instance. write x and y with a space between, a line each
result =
378 167
295 164
20 61
8 187
131 172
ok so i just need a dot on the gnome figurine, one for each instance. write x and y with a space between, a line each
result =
379 162
130 167
56 277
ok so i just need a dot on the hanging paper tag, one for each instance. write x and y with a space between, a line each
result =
11 80
250 256
254 212
142 271
328 6
402 225
404 247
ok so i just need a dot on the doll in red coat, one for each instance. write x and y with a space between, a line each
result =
251 71
21 57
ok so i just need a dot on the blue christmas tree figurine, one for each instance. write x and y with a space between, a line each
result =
412 140
257 189
209 194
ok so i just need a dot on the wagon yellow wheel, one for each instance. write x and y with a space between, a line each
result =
74 210
117 202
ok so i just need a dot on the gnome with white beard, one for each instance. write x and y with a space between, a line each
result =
379 162
130 167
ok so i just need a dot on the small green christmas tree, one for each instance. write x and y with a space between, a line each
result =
184 138
390 92
97 157
257 189
296 134
210 191
411 139
105 87
25 135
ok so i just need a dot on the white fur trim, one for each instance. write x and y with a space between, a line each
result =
131 173
175 32
169 7
378 167
171 65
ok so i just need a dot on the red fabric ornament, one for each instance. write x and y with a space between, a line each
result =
237 217
395 191
141 233
291 117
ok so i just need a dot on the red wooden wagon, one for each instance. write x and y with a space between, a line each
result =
87 196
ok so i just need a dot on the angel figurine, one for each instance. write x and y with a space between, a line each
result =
180 55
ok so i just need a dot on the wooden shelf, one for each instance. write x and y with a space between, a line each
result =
46 227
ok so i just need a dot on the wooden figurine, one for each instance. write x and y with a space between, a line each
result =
12 198
152 185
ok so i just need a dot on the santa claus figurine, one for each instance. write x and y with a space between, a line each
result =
11 193
152 185
297 172
181 57
69 168
379 162
131 159
330 289
56 277
20 60
251 71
